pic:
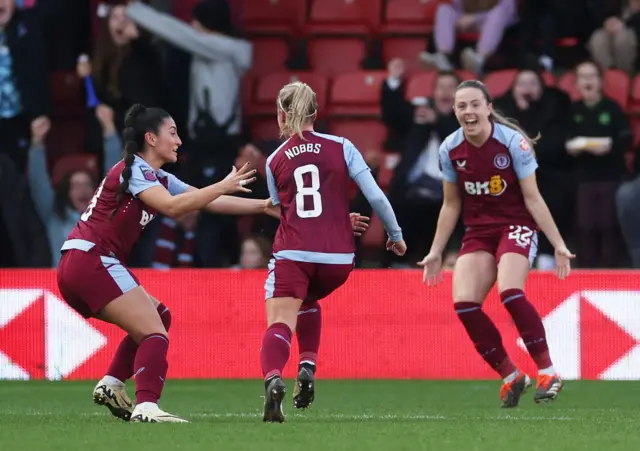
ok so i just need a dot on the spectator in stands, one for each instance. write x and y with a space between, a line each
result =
615 44
25 99
23 241
416 187
255 253
541 109
488 17
126 68
218 64
60 207
175 242
628 209
600 136
397 113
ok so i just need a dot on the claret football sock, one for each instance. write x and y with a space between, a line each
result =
276 346
529 325
150 367
121 366
308 331
485 337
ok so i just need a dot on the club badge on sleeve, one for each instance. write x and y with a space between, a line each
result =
148 174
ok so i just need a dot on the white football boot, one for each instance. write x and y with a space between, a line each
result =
148 412
110 392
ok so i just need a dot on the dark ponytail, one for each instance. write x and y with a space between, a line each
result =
138 121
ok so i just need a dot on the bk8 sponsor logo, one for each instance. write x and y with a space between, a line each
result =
494 187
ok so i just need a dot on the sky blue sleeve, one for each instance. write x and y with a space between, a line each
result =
175 186
271 184
524 162
354 160
142 178
446 166
380 204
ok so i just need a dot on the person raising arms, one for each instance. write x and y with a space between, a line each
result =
93 279
489 176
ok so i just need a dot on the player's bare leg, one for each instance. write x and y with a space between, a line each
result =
136 314
308 332
282 315
473 277
512 274
110 390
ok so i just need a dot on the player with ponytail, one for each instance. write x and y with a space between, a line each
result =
93 277
489 168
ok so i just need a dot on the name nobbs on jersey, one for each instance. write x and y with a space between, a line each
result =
303 148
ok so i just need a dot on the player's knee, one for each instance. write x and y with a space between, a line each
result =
288 316
461 306
165 316
152 326
311 307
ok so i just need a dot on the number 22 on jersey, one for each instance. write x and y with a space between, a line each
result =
312 191
87 214
521 235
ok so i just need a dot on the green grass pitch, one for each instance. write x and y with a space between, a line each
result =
347 415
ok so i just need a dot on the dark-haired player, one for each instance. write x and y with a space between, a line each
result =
489 176
93 279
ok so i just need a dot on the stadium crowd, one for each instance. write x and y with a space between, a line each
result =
385 73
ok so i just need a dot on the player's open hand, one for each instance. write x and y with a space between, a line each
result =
236 181
563 262
359 224
270 209
432 265
399 248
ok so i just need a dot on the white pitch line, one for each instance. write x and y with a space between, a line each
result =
328 416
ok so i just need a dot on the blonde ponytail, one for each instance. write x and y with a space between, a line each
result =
298 101
500 119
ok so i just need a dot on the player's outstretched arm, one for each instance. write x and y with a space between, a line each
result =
542 216
525 165
233 205
193 199
383 209
447 220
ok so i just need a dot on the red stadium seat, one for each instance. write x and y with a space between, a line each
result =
269 55
265 128
367 135
409 17
248 84
388 165
616 86
422 85
336 56
406 48
501 81
273 17
635 129
634 108
567 82
68 94
344 17
266 91
357 94
74 162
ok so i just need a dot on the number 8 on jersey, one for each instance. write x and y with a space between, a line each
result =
306 191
